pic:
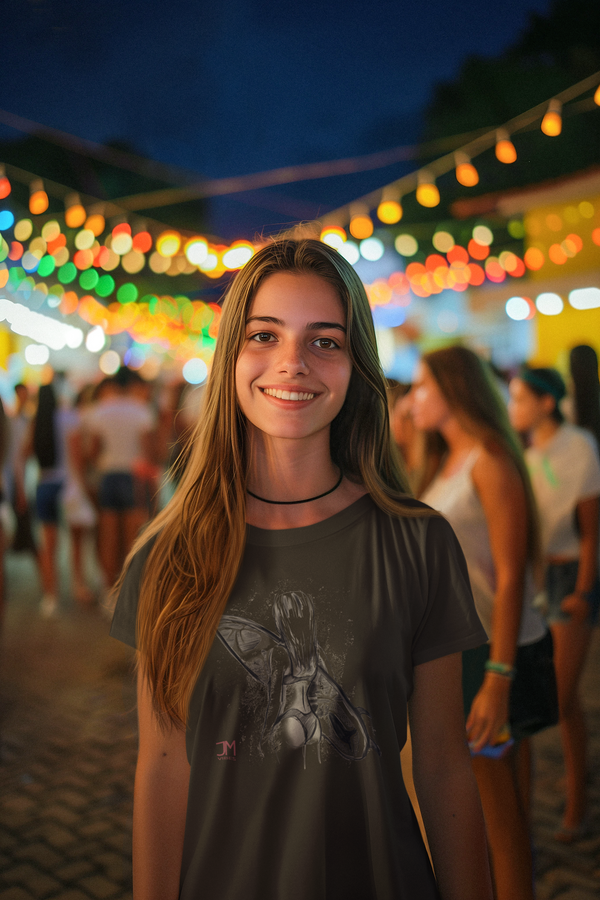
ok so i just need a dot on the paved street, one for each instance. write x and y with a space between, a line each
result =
67 756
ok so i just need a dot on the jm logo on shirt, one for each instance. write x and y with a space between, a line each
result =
228 750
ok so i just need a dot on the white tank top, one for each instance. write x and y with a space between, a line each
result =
455 496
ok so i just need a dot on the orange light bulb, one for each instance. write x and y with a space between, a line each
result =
552 121
467 175
38 203
4 187
361 227
505 149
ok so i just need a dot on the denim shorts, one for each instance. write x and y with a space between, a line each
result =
46 501
117 491
561 579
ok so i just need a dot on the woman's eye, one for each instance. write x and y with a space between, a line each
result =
263 337
325 343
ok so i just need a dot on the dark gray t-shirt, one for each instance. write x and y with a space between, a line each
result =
298 717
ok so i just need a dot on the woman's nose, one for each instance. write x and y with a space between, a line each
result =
292 357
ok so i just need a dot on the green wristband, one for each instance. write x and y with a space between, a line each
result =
499 668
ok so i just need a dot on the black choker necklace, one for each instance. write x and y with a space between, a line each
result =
308 500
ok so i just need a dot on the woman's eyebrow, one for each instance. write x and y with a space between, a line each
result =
311 326
316 326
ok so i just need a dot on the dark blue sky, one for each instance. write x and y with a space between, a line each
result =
239 86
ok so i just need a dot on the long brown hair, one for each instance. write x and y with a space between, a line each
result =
200 535
469 388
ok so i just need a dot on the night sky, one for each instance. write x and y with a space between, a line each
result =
240 86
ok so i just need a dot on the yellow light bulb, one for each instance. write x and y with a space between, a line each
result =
168 243
428 194
389 212
552 124
597 96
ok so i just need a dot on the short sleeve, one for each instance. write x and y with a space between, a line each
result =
450 622
590 482
123 626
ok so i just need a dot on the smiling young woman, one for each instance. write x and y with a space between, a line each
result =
287 607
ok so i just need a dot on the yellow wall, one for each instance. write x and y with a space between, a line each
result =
556 335
550 224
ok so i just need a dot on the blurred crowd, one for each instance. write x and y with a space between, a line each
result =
88 466
511 459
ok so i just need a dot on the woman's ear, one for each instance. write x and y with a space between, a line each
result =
549 404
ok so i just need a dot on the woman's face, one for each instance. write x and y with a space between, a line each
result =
293 372
430 410
401 421
526 409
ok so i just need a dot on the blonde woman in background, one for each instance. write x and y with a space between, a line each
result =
481 485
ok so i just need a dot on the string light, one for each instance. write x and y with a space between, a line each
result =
96 224
552 121
505 149
427 193
168 243
361 225
4 184
597 96
333 236
38 198
390 209
466 173
75 214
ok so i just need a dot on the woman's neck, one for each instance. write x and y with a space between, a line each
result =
460 443
285 469
543 432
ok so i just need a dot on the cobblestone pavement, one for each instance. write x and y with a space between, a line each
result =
67 757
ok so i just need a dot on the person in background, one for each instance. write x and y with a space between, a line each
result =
147 468
117 431
46 442
583 364
482 487
19 425
3 449
565 473
79 511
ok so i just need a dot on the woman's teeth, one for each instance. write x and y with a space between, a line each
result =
288 395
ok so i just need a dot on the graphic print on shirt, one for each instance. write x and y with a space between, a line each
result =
303 703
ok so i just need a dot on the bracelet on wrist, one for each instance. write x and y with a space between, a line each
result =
499 668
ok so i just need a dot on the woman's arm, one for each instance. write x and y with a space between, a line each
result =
502 496
159 805
445 784
25 451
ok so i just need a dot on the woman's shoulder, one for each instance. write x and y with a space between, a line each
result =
494 462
